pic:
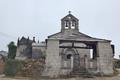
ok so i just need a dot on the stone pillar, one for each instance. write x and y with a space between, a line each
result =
105 59
72 62
86 62
98 65
52 59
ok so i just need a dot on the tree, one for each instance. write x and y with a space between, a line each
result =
11 50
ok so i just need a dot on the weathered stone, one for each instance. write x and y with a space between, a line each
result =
69 52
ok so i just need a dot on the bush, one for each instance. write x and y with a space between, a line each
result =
23 68
117 63
12 67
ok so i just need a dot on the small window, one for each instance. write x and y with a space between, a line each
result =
66 23
91 53
69 56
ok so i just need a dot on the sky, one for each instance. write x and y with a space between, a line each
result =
40 18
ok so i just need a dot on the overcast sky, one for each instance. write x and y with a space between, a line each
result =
40 18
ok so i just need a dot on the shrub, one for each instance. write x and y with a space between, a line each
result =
12 67
12 50
23 68
117 63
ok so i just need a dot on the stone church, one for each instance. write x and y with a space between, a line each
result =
70 51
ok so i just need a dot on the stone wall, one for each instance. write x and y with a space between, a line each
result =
31 68
82 54
52 59
105 59
19 52
36 52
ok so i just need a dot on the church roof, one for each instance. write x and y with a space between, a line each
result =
72 35
69 15
24 41
69 33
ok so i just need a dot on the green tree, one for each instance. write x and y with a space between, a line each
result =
11 50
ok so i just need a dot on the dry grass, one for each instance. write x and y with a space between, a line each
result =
116 77
76 78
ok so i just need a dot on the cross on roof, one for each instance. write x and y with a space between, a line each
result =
69 12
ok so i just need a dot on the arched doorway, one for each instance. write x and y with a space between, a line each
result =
70 59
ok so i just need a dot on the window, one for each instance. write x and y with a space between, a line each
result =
91 53
69 56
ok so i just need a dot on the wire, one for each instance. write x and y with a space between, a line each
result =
7 35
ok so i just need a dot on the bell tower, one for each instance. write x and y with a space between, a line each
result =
69 22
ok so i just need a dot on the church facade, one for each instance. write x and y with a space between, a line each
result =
70 51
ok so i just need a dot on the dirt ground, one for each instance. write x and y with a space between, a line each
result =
77 78
117 77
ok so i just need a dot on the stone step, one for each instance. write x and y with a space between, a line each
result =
82 74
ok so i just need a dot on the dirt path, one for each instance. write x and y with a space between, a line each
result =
77 78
